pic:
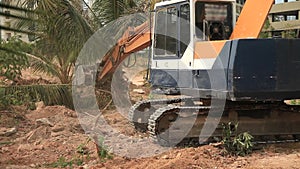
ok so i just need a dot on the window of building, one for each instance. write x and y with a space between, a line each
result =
7 2
8 36
7 13
7 24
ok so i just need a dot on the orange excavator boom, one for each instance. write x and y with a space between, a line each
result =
252 19
133 40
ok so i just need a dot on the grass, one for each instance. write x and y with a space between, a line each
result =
102 150
62 162
295 102
81 155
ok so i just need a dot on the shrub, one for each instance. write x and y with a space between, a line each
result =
13 58
240 144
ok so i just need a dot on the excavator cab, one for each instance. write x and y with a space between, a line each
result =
178 23
184 32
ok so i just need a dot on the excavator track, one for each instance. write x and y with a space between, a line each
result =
269 122
141 111
162 119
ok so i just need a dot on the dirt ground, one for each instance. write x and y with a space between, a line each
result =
52 137
43 144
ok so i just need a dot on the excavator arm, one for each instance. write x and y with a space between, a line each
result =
249 25
252 19
133 40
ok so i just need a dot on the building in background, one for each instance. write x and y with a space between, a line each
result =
284 19
87 8
239 6
90 2
9 22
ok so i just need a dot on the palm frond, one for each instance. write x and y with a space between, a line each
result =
12 61
13 16
108 10
16 30
49 94
42 64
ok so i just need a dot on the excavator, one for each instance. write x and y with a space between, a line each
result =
200 49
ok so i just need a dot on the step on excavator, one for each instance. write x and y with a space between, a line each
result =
201 49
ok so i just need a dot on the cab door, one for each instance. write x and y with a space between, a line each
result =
167 46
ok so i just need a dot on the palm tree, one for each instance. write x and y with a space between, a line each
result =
12 61
59 31
110 10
